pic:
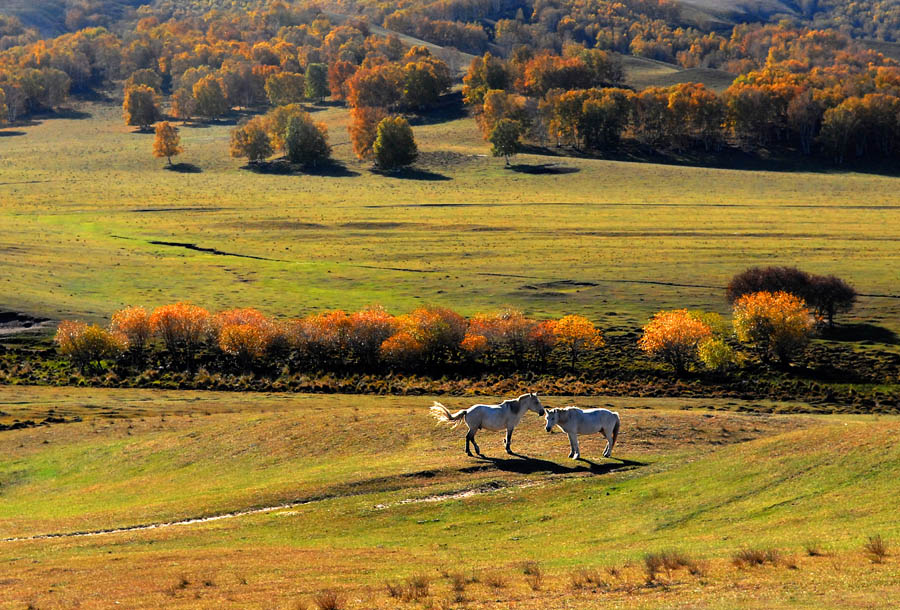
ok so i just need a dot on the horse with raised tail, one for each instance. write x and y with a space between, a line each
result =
503 416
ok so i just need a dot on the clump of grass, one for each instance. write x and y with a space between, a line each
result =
458 586
416 588
876 548
667 561
393 589
495 580
329 600
534 575
583 578
183 582
813 549
755 557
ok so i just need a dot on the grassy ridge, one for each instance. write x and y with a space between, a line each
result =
709 484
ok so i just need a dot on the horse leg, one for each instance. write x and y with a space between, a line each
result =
471 437
573 441
609 443
509 432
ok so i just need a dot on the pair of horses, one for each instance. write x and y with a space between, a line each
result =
508 414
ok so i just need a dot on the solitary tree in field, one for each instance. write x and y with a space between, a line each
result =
141 106
306 142
505 139
395 146
316 82
167 143
251 140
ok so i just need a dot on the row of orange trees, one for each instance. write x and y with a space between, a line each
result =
370 339
430 338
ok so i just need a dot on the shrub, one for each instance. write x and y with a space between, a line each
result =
668 561
251 140
433 333
876 548
576 336
506 332
87 345
716 354
323 339
830 295
755 557
182 328
369 328
775 324
132 326
329 600
673 336
534 575
246 342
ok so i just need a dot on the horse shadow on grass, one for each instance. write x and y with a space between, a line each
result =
523 464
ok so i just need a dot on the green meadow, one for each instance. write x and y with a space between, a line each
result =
83 201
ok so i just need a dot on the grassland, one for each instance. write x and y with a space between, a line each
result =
84 201
385 495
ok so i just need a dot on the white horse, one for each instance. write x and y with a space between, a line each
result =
505 416
575 421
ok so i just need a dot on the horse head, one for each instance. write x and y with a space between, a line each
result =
532 403
552 418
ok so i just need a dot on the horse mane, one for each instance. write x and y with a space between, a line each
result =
514 405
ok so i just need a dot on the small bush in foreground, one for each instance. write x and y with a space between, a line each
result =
876 548
329 600
668 561
534 575
755 557
673 336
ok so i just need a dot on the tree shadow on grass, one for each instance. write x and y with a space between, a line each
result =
522 464
412 173
543 168
10 134
183 168
70 113
281 167
858 333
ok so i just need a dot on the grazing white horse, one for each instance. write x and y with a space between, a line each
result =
505 416
575 421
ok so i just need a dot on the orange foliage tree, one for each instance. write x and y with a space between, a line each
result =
363 129
434 333
167 143
182 327
674 337
369 328
775 324
132 325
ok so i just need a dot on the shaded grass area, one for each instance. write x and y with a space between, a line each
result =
697 490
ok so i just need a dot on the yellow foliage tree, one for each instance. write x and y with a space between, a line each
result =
87 345
775 324
576 335
674 336
132 326
167 143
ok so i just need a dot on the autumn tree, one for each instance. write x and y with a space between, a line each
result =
485 74
141 107
167 143
146 77
339 74
210 97
316 87
182 327
132 326
363 129
4 110
87 345
830 295
285 88
394 146
251 140
306 142
376 87
369 328
674 337
575 337
504 139
776 324
429 334
277 122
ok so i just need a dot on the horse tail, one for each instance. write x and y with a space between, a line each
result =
443 415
